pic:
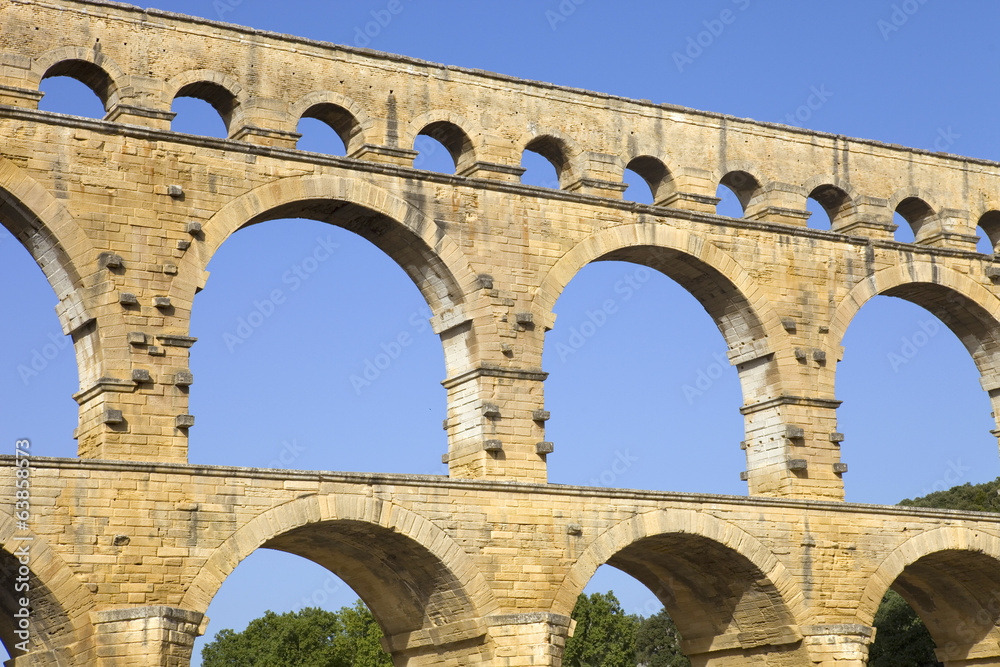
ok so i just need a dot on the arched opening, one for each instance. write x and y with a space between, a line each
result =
916 214
635 320
648 179
956 593
77 88
39 361
724 605
546 162
51 629
989 232
293 584
328 128
828 205
443 147
908 384
200 106
290 305
411 576
739 186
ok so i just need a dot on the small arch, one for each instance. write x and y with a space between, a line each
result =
340 120
455 141
744 185
460 137
91 76
219 90
89 66
916 212
989 226
655 173
836 204
345 116
558 151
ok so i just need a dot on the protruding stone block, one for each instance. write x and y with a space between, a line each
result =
112 417
184 421
135 338
140 375
183 378
544 447
127 299
493 445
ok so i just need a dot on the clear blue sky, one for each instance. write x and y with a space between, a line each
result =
919 73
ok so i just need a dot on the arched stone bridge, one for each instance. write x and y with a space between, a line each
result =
130 542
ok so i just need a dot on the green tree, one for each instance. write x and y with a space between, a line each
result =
307 638
983 497
901 640
604 634
658 642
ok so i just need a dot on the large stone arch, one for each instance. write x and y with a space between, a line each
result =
63 251
61 631
728 593
740 308
433 260
971 311
426 593
951 577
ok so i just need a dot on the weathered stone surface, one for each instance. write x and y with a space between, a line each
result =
130 543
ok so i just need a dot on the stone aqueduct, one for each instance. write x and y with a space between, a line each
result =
129 542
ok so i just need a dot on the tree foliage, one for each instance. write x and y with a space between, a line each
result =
604 634
658 643
901 640
983 497
308 638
